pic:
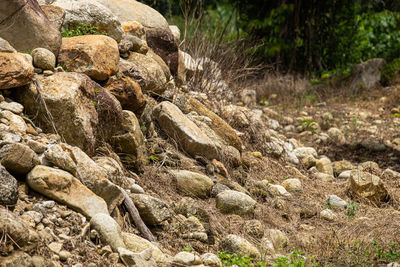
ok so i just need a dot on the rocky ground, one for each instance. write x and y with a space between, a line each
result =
97 131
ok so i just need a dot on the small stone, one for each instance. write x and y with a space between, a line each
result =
328 215
49 204
344 175
14 107
277 237
64 255
187 259
235 244
136 189
292 185
278 190
254 228
210 259
55 247
324 165
43 58
38 147
336 201
231 201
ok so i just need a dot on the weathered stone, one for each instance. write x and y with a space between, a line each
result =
18 159
336 201
192 183
15 70
130 43
43 58
83 112
95 55
230 201
371 167
167 72
369 186
22 236
33 27
92 13
108 229
254 228
113 169
277 237
152 210
56 155
146 71
6 47
186 259
324 165
16 123
138 244
210 259
55 14
14 107
367 74
337 136
8 188
64 188
134 28
131 259
236 244
292 185
17 259
184 131
341 166
128 92
328 215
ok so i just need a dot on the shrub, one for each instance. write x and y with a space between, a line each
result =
390 72
82 29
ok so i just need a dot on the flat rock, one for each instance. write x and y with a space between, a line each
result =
64 188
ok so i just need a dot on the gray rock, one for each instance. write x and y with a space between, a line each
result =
56 155
336 201
210 259
152 210
6 47
218 188
187 259
8 188
328 215
192 183
131 259
277 237
367 74
109 230
18 159
43 58
236 244
231 201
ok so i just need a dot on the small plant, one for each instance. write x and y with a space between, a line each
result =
82 29
238 260
309 125
264 102
351 210
187 249
294 259
94 103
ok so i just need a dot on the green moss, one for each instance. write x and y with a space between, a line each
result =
390 72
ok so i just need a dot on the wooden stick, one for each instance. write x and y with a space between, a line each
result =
132 210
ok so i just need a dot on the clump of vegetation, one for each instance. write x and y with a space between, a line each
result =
294 259
82 29
390 72
238 260
351 210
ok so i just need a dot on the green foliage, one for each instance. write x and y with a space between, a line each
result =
238 259
351 210
294 259
187 249
82 29
390 72
391 253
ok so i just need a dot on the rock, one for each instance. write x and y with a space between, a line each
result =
366 75
138 244
186 259
337 136
187 66
324 165
277 237
278 190
230 201
56 155
175 32
128 92
344 175
83 112
192 183
191 228
43 58
328 215
235 244
210 259
132 259
90 12
254 228
390 174
30 22
302 152
174 123
17 259
152 210
108 229
134 28
341 166
292 185
15 70
6 47
21 235
218 188
323 177
113 169
146 71
18 159
163 43
95 55
129 138
93 177
56 247
371 167
64 188
14 107
130 43
55 14
336 201
34 215
369 186
64 255
16 123
8 188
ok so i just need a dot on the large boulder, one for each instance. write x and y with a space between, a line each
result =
146 71
230 201
192 183
176 125
66 189
18 158
15 70
21 236
55 14
95 55
83 112
90 12
8 188
367 74
25 26
369 186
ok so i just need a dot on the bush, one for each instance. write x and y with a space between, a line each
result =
82 29
390 72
